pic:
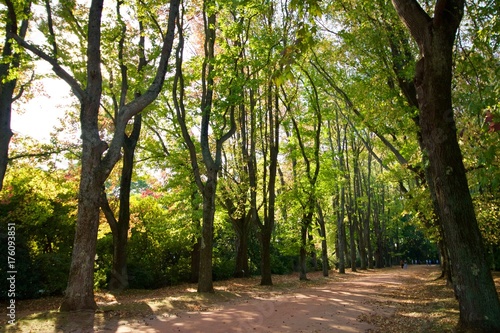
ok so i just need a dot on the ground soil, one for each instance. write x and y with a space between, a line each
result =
382 300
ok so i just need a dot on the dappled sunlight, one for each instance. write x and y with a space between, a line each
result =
387 300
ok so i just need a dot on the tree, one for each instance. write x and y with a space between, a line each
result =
120 227
16 22
435 37
207 184
98 158
311 159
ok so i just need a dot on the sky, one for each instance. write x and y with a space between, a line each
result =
38 116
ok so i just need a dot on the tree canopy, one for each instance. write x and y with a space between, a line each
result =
220 138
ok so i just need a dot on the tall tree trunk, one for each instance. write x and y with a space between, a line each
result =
6 97
195 220
341 234
96 166
266 227
80 291
312 172
7 82
352 240
205 280
324 246
303 250
368 214
211 162
265 261
241 268
195 261
473 283
378 254
350 218
358 209
402 57
119 275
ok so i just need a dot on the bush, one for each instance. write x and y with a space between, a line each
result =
27 277
53 270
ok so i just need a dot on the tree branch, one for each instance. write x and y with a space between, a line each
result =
414 17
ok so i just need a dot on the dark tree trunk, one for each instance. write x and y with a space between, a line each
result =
195 251
119 275
304 242
341 234
352 241
265 263
6 92
266 228
303 252
79 294
472 280
241 269
378 254
96 167
205 279
368 213
358 209
211 162
445 263
8 84
324 246
195 261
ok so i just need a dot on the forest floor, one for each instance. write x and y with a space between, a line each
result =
385 300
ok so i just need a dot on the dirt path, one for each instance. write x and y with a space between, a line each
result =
334 304
335 307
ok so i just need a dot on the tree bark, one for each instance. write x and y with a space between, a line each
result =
120 227
341 234
241 269
96 166
350 218
212 163
324 246
473 283
8 85
270 150
378 254
205 279
79 294
195 261
303 249
265 263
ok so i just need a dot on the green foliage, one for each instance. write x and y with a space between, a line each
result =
264 63
415 246
157 246
42 206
